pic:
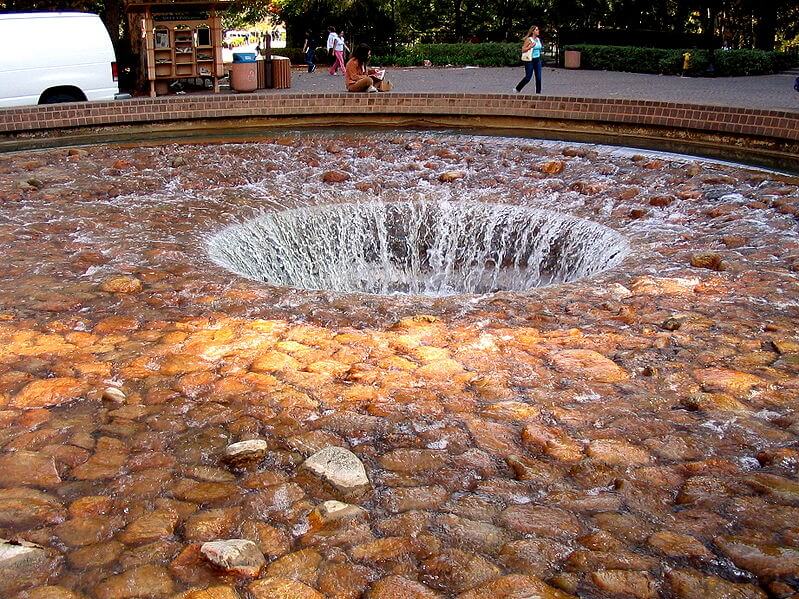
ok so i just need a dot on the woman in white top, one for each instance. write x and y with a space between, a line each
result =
338 50
531 58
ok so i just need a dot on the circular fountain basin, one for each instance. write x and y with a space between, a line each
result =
417 248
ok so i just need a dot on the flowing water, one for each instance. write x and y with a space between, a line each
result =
567 370
418 248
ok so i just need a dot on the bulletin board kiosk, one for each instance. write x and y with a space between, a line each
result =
178 40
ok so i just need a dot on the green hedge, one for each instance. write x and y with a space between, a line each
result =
727 63
459 55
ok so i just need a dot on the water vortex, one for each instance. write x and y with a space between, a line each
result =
417 248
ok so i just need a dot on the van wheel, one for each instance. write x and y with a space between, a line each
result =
60 96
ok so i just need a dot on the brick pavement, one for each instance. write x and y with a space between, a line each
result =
771 92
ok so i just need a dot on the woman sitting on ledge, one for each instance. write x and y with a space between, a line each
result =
360 78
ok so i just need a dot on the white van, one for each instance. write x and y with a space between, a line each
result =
55 57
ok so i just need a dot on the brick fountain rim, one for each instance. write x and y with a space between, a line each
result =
751 136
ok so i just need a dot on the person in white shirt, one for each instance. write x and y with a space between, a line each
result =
331 35
338 50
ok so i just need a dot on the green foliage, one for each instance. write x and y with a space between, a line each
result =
481 55
727 63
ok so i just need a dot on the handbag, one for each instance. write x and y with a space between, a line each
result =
384 85
528 56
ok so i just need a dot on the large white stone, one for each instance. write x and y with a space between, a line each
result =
244 452
24 565
340 468
238 556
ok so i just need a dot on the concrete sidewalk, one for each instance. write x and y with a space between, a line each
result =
774 92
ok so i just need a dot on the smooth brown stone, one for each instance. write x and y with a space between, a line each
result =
145 581
514 586
79 532
393 587
539 557
95 556
626 583
541 521
344 581
51 592
763 560
677 545
282 588
28 508
457 571
470 535
301 565
615 452
272 541
210 525
212 592
48 392
690 584
402 499
28 469
150 527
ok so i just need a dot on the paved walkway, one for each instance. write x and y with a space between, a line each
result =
768 92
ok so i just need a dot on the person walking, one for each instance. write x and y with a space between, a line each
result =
531 58
338 51
308 48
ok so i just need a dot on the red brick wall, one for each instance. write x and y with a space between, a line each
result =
715 119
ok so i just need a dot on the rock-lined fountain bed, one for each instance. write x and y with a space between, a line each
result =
632 433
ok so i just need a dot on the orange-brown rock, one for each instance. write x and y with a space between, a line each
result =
450 176
589 364
122 285
553 167
156 525
763 560
29 508
709 260
514 586
145 581
690 584
457 571
302 566
335 177
723 380
540 520
48 392
211 592
674 544
28 468
626 583
393 587
552 442
616 452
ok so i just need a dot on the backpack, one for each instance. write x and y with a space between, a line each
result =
796 84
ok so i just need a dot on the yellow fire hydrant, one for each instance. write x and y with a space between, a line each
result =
686 63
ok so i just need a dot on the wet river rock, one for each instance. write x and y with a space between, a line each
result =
629 434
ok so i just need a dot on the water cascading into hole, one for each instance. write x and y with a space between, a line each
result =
417 248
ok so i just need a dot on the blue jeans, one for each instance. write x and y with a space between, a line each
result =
532 67
309 59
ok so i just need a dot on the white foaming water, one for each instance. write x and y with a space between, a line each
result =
417 248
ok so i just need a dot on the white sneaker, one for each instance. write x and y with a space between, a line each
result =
371 89
515 91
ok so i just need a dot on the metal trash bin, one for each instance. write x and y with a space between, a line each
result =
243 72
